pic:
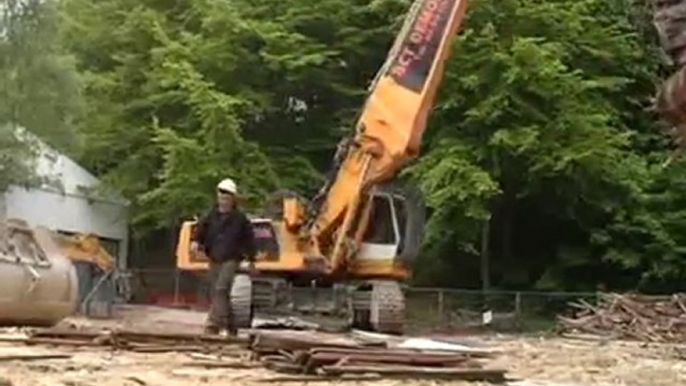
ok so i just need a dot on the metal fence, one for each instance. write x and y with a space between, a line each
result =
456 309
436 309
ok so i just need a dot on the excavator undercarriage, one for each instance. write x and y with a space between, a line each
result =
375 305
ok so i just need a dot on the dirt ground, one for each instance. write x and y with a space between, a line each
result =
533 361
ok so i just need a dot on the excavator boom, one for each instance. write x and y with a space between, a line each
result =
392 122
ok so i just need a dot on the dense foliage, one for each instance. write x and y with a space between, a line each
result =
38 86
542 158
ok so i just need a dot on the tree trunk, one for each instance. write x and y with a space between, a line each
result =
485 256
506 221
3 222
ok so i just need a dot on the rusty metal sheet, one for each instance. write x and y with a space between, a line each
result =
330 358
291 341
485 375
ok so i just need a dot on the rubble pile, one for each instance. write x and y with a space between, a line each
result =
635 317
322 355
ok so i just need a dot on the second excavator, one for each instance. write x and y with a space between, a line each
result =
361 228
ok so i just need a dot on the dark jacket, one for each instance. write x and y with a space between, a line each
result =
226 236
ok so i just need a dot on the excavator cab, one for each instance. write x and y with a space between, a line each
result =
392 234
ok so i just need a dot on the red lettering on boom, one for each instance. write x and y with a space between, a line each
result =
424 21
423 31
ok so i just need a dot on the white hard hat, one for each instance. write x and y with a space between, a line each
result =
227 185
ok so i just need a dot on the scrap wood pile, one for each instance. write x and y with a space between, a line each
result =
144 342
635 317
318 354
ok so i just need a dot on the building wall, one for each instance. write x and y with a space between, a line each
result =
71 214
62 203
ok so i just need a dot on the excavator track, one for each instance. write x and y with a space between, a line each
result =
241 301
387 307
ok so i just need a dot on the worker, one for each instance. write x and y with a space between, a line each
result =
226 237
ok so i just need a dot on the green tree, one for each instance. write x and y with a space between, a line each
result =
182 94
38 86
537 132
540 152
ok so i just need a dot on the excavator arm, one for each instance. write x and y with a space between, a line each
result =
389 130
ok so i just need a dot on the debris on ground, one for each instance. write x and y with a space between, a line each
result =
309 354
540 360
32 357
143 342
290 323
292 352
634 317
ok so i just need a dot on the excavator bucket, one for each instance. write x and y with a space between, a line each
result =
38 284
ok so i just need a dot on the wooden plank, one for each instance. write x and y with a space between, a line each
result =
33 357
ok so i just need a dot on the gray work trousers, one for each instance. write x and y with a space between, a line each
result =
221 281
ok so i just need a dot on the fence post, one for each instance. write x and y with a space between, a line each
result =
313 293
441 305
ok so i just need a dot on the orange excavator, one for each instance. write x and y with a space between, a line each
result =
360 228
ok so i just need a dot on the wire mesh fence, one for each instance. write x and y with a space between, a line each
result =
501 310
426 308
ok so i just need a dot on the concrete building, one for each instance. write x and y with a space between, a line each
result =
66 203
